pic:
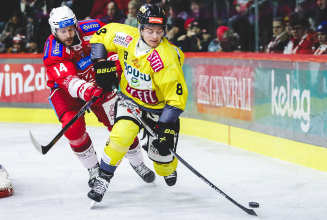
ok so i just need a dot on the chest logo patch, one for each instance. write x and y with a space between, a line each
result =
122 39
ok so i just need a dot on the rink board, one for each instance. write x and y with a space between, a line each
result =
291 151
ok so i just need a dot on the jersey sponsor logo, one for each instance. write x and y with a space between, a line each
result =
155 20
147 96
57 49
155 61
137 79
122 39
90 27
46 50
66 23
84 63
136 63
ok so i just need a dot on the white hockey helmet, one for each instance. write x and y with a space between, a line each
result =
61 17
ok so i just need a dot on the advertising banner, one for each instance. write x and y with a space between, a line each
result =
224 90
291 99
23 83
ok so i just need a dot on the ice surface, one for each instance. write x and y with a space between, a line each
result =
54 186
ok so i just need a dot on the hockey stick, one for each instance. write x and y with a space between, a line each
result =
44 149
249 211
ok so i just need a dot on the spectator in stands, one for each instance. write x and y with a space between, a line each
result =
214 45
176 31
26 6
193 40
240 24
177 9
133 9
18 45
123 5
16 25
6 9
320 14
229 41
98 11
322 37
41 28
32 48
198 11
280 38
304 38
114 14
287 20
206 38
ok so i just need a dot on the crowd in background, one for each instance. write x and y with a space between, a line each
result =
267 26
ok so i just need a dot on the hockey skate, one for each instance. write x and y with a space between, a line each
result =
145 173
171 179
93 172
100 185
6 188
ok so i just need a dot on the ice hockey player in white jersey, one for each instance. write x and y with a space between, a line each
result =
6 188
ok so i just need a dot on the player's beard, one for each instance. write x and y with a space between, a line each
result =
68 42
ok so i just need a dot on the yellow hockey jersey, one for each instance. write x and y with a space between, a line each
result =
153 79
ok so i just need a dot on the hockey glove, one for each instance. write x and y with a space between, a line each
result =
106 75
165 140
87 91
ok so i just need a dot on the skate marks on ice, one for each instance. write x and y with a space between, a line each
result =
54 186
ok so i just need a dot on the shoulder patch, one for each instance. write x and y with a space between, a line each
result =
90 26
46 50
155 61
57 49
84 63
122 39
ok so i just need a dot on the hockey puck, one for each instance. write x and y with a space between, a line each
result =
254 204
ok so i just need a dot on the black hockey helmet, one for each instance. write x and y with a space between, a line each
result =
150 14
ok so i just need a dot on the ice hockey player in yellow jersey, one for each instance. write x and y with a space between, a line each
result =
152 82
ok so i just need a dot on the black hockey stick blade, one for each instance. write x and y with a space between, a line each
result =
39 147
249 211
44 149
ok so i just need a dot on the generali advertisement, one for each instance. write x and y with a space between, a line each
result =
23 83
224 90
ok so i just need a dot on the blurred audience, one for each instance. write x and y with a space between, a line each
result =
6 10
176 31
320 14
229 42
322 37
18 45
214 45
177 9
114 14
99 9
16 25
304 40
287 20
280 38
133 9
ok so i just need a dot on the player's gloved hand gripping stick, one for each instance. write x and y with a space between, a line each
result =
44 149
249 211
